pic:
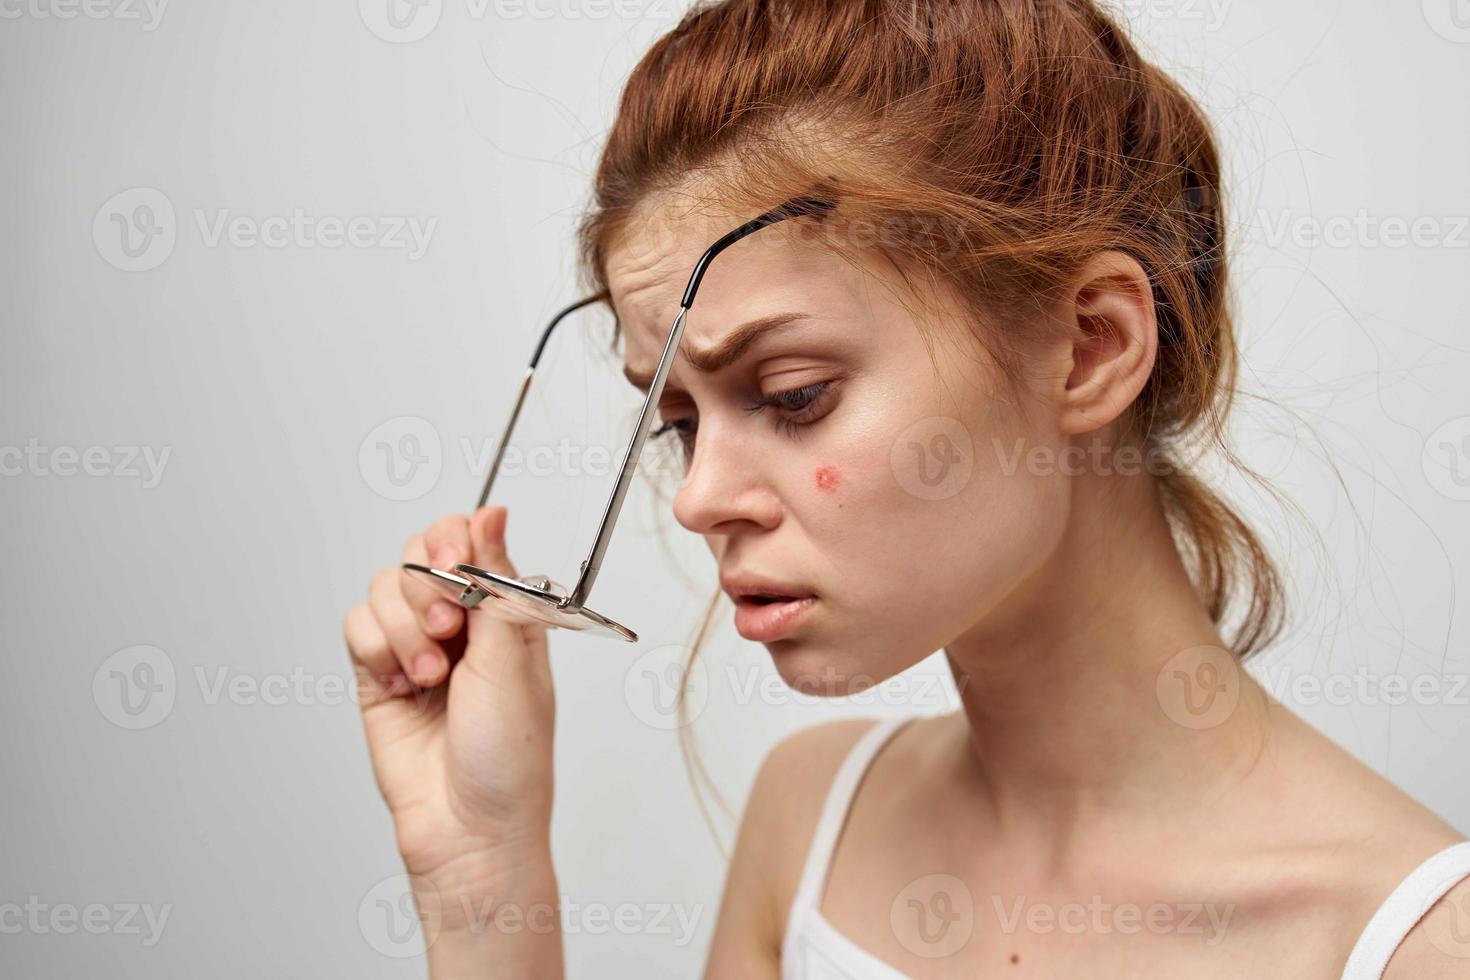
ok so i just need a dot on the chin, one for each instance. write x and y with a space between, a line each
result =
827 670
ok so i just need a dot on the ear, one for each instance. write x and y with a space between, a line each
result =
1113 338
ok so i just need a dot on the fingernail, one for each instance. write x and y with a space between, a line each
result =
426 668
447 558
440 617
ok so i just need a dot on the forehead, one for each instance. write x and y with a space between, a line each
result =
770 271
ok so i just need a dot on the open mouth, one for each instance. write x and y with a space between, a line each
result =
765 617
766 600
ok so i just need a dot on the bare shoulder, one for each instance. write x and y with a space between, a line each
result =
788 794
1342 837
776 828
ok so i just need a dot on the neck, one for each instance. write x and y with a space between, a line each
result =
1068 718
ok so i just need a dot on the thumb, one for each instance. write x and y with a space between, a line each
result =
500 639
487 538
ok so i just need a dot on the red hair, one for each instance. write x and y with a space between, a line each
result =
993 146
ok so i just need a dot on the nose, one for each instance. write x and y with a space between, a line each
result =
726 485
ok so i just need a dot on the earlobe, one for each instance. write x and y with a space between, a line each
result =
1113 333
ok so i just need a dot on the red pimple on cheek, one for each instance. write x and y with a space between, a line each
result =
828 478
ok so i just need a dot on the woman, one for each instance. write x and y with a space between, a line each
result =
962 421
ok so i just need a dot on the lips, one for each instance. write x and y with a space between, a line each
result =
768 621
766 609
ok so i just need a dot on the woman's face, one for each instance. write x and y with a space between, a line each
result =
829 456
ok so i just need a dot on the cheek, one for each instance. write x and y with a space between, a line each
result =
964 537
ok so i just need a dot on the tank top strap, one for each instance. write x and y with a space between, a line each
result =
834 813
1403 909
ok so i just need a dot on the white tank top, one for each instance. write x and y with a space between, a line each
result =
813 949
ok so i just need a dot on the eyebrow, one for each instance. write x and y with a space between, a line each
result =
727 351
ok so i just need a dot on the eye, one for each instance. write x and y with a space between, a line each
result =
683 428
795 408
801 405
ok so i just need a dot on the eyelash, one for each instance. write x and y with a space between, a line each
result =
800 400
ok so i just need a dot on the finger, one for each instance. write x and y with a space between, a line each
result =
496 646
372 657
448 541
419 657
490 630
437 615
487 534
389 718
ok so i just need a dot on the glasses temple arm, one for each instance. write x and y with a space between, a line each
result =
590 567
515 412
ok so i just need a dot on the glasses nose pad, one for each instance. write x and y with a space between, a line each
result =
546 584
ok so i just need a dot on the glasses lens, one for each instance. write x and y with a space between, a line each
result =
537 599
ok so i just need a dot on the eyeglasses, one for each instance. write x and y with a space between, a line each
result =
537 598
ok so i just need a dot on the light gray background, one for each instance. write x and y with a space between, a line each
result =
271 375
